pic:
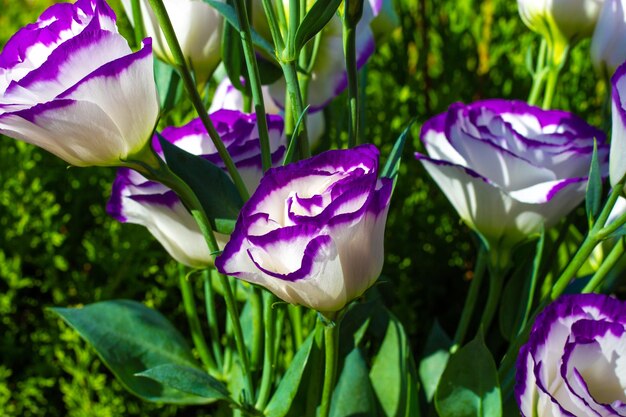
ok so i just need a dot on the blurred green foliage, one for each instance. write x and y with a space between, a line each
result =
59 248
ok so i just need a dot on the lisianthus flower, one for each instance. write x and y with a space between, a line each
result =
134 199
70 84
508 168
608 44
574 363
312 233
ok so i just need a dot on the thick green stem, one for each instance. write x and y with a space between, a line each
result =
295 317
255 82
269 319
185 74
257 326
191 312
496 279
138 27
331 348
349 48
470 301
297 107
553 77
211 315
608 264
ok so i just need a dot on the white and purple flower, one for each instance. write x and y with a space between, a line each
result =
509 168
608 44
574 363
617 159
134 199
69 83
198 28
312 233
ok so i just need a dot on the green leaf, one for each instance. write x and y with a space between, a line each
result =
393 375
314 21
469 386
228 12
130 338
434 359
232 57
211 184
188 379
392 167
593 199
353 395
281 401
291 150
168 85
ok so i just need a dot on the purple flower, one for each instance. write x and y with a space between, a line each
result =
312 233
509 168
617 159
134 199
70 84
574 363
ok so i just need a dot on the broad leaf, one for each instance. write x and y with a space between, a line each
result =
130 338
469 386
353 395
188 379
434 360
393 375
314 21
211 184
282 399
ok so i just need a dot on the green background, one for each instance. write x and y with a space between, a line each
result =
59 248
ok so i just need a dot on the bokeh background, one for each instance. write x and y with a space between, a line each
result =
59 248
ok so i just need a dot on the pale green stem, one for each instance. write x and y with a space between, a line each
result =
181 64
613 257
496 278
539 74
349 47
553 77
257 326
194 321
295 317
138 27
297 107
331 348
255 82
211 314
470 301
269 318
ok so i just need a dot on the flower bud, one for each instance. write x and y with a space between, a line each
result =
608 44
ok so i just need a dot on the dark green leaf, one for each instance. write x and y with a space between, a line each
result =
593 199
188 379
392 166
211 184
232 57
434 359
353 395
228 12
469 386
282 399
168 85
393 375
130 338
314 21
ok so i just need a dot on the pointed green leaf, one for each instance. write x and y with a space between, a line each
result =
434 359
469 386
188 379
314 21
392 167
168 85
211 184
228 12
280 402
291 150
593 199
353 395
130 338
393 375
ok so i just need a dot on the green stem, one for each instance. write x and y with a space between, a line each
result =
608 264
194 321
196 100
539 75
297 107
255 82
331 345
138 27
211 315
496 279
269 319
295 317
470 301
257 326
553 77
349 47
